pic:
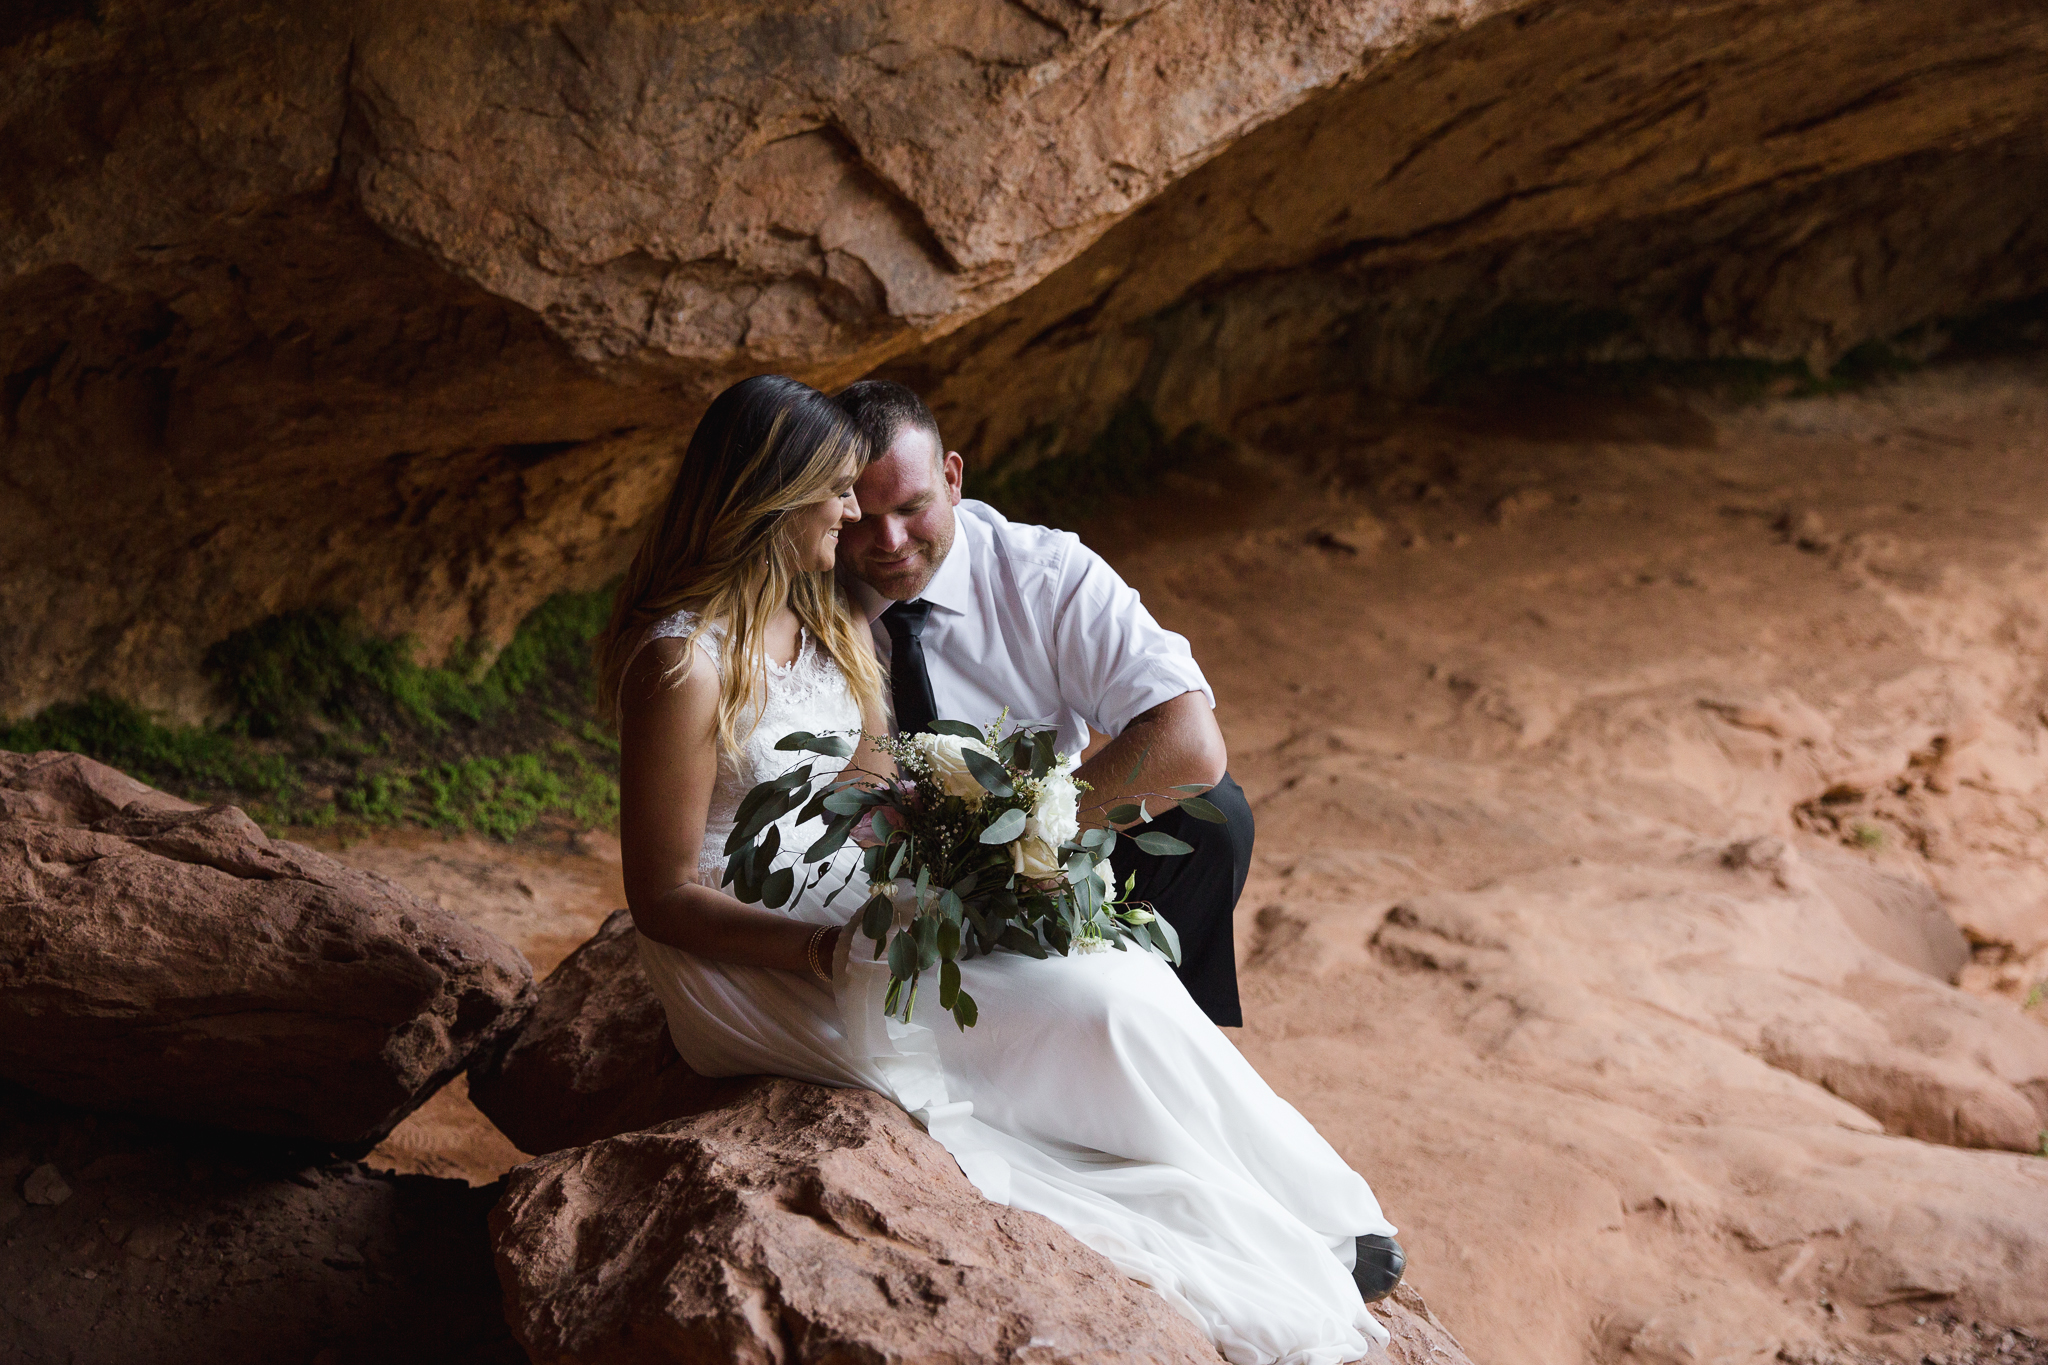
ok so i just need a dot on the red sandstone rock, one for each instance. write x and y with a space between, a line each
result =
593 1058
162 959
805 1224
328 263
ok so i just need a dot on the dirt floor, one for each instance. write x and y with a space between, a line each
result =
1634 778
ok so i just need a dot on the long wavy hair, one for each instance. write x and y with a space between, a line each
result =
767 447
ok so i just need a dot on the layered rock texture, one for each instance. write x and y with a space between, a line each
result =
160 959
799 1223
405 307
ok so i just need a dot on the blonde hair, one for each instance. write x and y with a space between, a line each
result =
766 448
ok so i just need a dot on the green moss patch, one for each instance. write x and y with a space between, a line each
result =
330 725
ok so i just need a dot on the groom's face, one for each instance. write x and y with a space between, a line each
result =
906 526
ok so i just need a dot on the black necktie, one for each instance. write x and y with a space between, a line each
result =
910 686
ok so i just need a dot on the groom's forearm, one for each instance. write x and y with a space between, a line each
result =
1174 743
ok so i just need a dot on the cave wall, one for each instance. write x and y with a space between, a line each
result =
1721 181
407 308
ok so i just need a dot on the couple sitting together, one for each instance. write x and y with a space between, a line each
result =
815 569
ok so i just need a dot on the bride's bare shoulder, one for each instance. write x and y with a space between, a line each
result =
667 676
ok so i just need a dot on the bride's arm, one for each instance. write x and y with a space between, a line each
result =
668 766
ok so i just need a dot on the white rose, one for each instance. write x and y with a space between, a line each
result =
1035 858
945 755
1056 817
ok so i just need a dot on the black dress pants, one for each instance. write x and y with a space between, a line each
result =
1197 893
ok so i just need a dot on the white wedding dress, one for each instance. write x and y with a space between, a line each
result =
1092 1091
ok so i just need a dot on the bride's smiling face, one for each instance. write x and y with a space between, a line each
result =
814 530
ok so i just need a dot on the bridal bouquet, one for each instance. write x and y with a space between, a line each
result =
976 845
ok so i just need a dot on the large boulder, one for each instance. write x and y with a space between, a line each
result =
158 958
798 1223
128 1240
593 1057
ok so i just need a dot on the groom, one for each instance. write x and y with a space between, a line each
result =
974 613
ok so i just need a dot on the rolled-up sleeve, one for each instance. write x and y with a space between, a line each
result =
1115 662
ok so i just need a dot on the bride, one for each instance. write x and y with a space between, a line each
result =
1092 1091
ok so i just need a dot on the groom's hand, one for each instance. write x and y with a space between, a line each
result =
1175 743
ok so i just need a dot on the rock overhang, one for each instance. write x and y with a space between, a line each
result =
408 309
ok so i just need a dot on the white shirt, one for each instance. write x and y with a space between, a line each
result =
1030 618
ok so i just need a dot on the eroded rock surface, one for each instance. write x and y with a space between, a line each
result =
161 959
1624 769
172 1245
593 1058
406 309
800 1223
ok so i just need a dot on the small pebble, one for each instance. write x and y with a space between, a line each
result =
44 1186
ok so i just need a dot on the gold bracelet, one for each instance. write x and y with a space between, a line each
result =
811 953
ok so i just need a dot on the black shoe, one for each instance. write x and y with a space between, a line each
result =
1380 1263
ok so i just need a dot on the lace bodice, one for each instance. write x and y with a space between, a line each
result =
809 693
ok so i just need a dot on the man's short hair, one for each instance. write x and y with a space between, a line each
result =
882 408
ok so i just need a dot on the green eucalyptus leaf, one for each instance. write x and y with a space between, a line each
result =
831 841
848 800
1019 940
875 916
1124 814
763 806
1004 828
777 889
903 957
795 739
990 774
949 984
1203 810
1161 845
949 941
814 807
1087 894
964 1011
1168 939
1193 788
960 729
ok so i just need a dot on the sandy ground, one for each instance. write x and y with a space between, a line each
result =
1634 780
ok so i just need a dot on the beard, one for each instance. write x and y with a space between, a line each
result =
902 578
